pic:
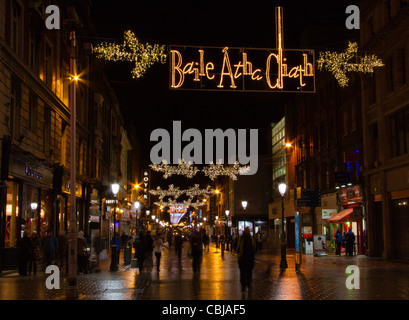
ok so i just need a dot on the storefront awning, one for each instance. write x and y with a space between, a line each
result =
342 216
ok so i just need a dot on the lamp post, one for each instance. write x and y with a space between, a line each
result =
244 205
282 187
114 249
227 236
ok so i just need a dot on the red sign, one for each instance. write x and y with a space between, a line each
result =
351 197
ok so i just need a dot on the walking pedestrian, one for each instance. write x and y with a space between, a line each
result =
338 242
178 248
205 240
26 248
246 249
258 241
139 245
82 255
36 253
197 252
350 241
50 247
158 250
149 251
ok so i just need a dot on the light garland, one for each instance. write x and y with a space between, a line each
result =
173 203
215 170
189 170
144 55
338 63
183 168
175 192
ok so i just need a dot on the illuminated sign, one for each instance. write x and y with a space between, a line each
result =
146 186
176 213
243 69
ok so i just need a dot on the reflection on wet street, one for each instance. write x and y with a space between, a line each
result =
321 278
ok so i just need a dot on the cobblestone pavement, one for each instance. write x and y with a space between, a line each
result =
320 278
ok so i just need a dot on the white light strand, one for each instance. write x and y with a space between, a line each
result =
338 63
189 170
144 55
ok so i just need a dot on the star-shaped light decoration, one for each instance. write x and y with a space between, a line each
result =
143 55
339 63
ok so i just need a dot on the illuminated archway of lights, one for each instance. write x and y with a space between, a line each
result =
339 63
143 55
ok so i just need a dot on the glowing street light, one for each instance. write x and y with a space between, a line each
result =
282 187
114 252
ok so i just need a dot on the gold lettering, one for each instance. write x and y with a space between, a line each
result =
209 66
279 81
256 75
308 68
226 62
176 67
237 74
201 52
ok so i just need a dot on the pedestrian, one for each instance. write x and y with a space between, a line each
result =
350 241
97 245
63 250
338 242
139 246
50 247
158 250
149 251
205 240
258 241
36 253
246 249
25 253
82 254
178 248
197 252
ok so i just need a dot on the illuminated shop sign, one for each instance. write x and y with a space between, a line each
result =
243 69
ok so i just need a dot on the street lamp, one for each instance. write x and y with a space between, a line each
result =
114 252
282 187
244 205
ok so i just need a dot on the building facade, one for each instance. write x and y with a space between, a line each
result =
385 109
35 125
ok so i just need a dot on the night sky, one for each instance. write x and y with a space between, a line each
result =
149 103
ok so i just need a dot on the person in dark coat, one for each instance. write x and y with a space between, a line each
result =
246 249
50 247
350 240
178 248
36 253
338 242
149 251
197 252
139 245
26 251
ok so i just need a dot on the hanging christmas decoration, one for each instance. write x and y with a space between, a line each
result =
183 168
175 192
215 170
340 63
143 55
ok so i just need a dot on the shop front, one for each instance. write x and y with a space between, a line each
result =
29 204
351 217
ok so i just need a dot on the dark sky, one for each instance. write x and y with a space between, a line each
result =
149 103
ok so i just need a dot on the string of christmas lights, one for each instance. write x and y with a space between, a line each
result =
215 170
338 63
183 168
175 192
189 170
144 55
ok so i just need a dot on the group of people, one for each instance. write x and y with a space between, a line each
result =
344 239
51 250
145 246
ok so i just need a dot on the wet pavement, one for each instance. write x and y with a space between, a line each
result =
320 278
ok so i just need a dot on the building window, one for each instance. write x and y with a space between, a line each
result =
32 112
47 131
399 132
15 106
400 67
16 30
48 65
34 59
